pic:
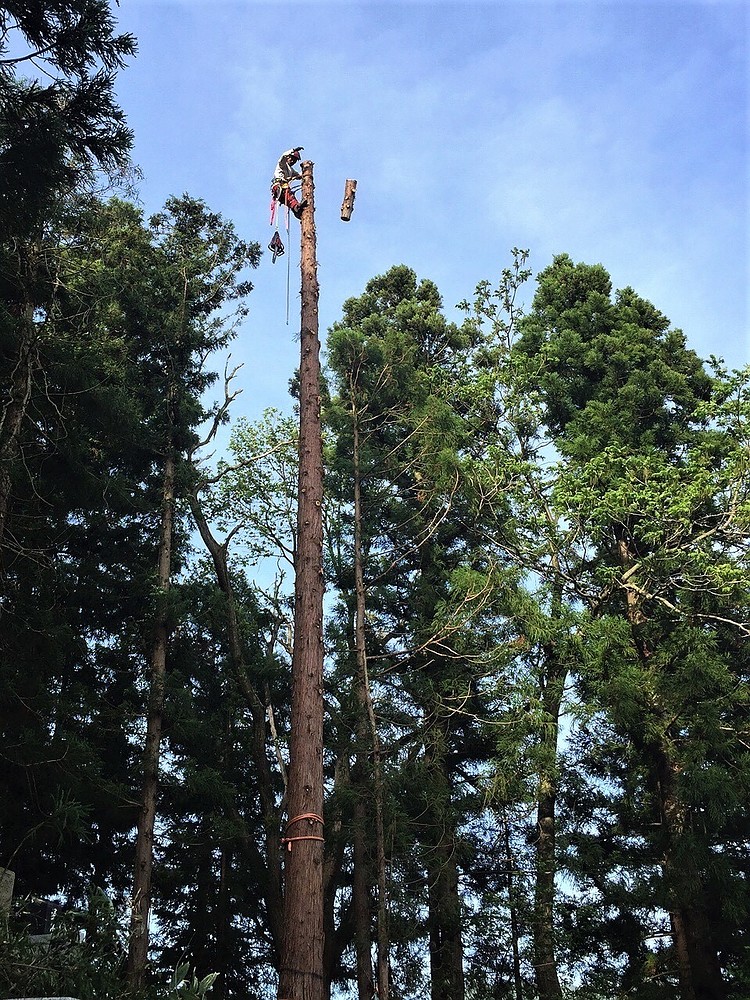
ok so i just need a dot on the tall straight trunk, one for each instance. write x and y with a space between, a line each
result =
144 848
545 960
444 916
368 722
518 981
301 972
553 683
361 897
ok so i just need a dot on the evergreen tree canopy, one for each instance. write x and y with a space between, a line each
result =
59 119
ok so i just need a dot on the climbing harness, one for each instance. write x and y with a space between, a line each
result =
276 247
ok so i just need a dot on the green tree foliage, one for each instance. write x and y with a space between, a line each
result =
59 120
403 388
136 303
537 752
652 482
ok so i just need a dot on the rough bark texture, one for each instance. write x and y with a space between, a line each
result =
301 972
144 848
347 205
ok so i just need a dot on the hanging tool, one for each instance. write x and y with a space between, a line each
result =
276 247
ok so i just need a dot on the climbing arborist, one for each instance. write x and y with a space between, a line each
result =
283 175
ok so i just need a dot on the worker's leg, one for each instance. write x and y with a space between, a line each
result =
291 200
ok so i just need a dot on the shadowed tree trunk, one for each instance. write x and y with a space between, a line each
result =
552 686
20 384
367 736
144 848
697 958
517 980
270 864
444 921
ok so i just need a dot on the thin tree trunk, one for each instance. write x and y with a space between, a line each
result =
361 899
553 683
545 961
518 981
301 972
14 410
367 713
223 924
272 862
144 849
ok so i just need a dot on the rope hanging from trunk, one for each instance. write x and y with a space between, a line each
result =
311 818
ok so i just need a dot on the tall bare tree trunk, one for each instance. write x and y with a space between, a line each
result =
144 848
361 897
301 972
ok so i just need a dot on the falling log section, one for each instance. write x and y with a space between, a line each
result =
301 967
347 205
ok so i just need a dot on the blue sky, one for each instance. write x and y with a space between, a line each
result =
615 132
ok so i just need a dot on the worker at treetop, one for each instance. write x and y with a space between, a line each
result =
283 175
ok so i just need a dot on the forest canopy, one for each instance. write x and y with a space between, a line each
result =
536 525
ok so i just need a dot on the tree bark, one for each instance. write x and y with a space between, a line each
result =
301 973
347 205
545 962
361 899
144 848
